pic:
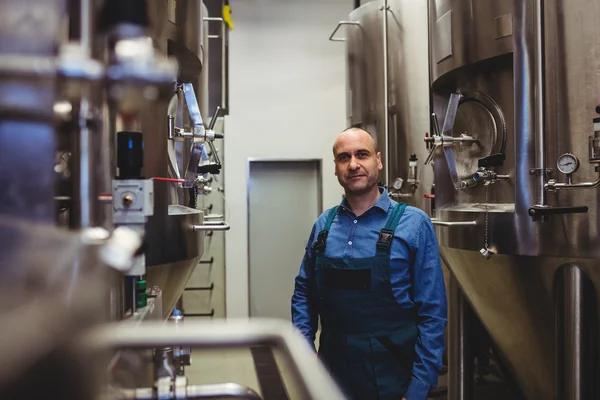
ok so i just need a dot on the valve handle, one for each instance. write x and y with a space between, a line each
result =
214 118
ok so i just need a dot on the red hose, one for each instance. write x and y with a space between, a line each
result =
169 179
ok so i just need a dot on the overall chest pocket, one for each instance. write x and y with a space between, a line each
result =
349 279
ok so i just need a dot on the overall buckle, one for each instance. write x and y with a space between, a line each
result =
320 244
385 239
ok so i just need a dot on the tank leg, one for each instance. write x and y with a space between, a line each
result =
575 334
460 352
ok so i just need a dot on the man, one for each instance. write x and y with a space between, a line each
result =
372 273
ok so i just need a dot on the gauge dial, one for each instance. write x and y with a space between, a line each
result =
567 163
398 183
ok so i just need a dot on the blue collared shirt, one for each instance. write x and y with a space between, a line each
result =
414 258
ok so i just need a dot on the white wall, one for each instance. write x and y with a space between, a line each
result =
287 100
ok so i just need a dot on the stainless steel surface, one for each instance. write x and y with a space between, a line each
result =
174 248
488 34
540 133
315 381
510 200
576 329
172 260
461 369
407 105
386 92
545 97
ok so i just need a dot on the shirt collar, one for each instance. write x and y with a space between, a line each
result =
383 203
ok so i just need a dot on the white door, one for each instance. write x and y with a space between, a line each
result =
284 200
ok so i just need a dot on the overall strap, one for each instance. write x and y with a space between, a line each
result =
322 237
387 233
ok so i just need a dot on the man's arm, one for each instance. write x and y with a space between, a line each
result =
429 296
304 313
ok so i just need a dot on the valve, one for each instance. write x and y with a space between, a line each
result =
437 139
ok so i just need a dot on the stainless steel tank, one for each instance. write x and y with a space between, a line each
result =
514 86
387 63
173 248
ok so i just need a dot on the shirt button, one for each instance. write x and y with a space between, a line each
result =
349 243
355 221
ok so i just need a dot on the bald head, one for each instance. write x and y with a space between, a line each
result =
357 162
356 135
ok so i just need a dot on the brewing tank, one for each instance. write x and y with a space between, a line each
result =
514 88
387 63
179 31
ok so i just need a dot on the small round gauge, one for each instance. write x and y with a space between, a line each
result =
398 183
567 163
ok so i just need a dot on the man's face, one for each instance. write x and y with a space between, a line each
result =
357 163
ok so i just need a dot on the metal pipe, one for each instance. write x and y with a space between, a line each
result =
81 214
460 352
435 221
575 327
386 121
221 390
212 226
398 195
214 216
86 26
552 185
334 39
540 145
212 391
314 381
81 26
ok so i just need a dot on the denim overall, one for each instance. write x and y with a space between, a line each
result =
367 339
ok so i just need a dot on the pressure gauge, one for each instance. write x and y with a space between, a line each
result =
398 183
567 163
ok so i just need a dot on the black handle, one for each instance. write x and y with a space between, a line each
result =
214 169
200 288
211 314
538 212
494 160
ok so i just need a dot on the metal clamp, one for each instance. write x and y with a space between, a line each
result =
212 226
437 222
223 53
331 38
